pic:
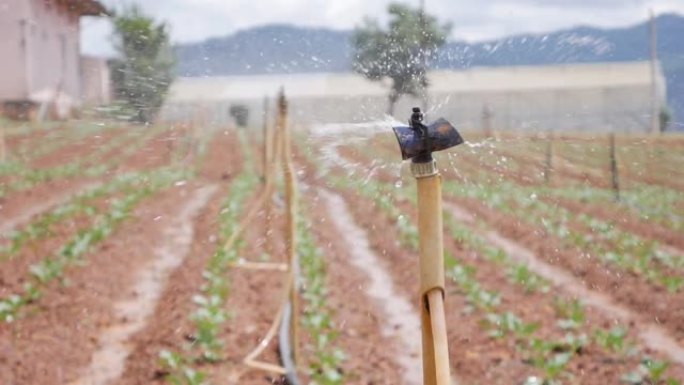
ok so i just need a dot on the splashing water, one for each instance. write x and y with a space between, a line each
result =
331 136
354 131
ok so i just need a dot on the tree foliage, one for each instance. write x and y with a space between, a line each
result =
400 52
143 72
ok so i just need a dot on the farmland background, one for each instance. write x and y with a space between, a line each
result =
258 225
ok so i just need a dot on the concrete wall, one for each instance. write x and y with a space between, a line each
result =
613 96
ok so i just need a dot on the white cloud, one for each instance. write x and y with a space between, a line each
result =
194 20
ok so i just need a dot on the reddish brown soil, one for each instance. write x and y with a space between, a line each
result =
156 153
170 325
65 323
633 291
77 150
54 339
15 204
14 273
15 141
370 356
624 220
475 356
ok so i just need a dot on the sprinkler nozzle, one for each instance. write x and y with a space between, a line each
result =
418 141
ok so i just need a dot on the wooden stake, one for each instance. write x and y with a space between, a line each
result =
268 180
291 220
267 145
615 181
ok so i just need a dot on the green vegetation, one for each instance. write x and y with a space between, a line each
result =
399 52
143 72
210 314
324 367
612 246
73 251
650 372
91 165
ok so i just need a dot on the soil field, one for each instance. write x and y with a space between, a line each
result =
124 260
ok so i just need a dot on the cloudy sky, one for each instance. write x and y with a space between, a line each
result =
473 20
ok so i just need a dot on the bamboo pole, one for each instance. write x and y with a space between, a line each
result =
431 246
290 225
250 359
266 142
3 148
615 181
269 175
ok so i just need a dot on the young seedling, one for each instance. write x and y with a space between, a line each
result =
650 372
179 372
613 340
571 313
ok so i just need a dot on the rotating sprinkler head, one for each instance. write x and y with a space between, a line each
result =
418 141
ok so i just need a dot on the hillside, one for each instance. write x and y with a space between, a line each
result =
289 49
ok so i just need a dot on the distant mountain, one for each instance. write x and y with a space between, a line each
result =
289 49
269 49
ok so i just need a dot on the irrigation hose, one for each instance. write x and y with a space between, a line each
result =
285 347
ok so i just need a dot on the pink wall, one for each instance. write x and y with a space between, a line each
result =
13 15
40 44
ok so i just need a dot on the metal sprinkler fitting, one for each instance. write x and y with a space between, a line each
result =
418 141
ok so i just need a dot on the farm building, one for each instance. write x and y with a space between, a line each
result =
602 96
41 63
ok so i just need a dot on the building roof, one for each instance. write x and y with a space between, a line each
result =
483 79
85 7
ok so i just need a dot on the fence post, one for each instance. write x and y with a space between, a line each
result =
487 121
548 165
615 181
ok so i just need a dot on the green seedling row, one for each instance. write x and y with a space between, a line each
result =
210 314
73 251
82 204
631 252
27 178
326 358
650 203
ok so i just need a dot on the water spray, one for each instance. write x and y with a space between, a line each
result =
417 142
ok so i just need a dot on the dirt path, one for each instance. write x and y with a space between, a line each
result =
107 363
652 335
404 324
